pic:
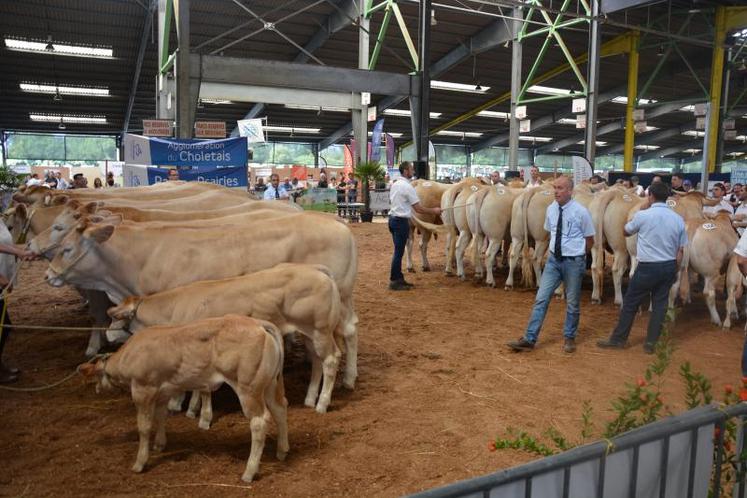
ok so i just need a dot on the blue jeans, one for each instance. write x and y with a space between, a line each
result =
744 357
570 271
400 230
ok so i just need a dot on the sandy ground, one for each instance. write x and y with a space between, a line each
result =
436 384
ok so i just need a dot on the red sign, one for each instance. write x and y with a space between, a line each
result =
210 129
157 128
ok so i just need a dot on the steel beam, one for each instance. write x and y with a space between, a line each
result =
148 22
630 106
671 150
592 79
293 75
185 101
717 83
516 59
360 116
494 35
423 114
275 95
165 8
652 138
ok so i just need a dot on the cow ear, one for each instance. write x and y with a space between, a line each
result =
90 208
60 200
88 369
20 198
100 233
21 212
72 203
94 218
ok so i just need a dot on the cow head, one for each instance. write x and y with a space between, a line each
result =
96 369
74 256
46 242
126 310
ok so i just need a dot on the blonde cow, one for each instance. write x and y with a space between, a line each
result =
430 194
159 362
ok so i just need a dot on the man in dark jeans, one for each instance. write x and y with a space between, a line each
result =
403 200
661 239
741 252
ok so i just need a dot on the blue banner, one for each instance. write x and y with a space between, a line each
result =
376 139
228 177
185 152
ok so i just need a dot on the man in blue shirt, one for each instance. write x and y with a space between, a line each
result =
275 191
571 236
661 239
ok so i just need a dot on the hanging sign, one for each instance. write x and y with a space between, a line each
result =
700 123
525 126
581 121
521 111
185 152
251 129
157 128
640 126
210 129
639 114
135 175
730 124
578 105
730 134
372 113
699 109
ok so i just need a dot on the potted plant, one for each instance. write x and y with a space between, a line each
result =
368 172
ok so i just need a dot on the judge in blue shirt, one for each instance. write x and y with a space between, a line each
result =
571 236
661 240
275 191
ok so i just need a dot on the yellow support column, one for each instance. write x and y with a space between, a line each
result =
717 81
632 95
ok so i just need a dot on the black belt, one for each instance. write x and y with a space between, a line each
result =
563 258
671 261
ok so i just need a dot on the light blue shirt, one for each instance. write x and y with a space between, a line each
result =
661 233
577 225
269 194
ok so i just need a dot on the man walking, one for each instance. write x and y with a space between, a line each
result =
571 236
661 239
403 200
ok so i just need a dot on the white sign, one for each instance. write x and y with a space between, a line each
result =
136 149
365 98
157 128
372 113
699 109
581 121
521 111
700 123
251 129
581 169
729 124
134 175
640 126
578 105
525 126
639 114
730 134
210 129
379 200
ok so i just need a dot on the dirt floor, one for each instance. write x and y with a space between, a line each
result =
436 384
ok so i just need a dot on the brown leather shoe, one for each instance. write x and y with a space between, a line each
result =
569 345
521 345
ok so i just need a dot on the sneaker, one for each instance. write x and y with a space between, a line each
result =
608 344
648 348
521 345
569 345
400 285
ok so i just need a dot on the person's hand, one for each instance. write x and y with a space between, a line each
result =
27 255
437 211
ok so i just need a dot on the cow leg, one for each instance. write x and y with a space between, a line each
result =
253 406
350 333
709 292
477 255
540 249
489 259
175 403
731 308
633 265
329 355
195 402
450 250
618 270
277 405
597 274
517 245
206 413
144 398
161 413
408 249
98 303
461 247
316 374
425 237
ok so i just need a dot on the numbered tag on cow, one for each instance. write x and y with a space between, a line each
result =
500 190
546 192
709 226
671 203
473 188
427 184
627 198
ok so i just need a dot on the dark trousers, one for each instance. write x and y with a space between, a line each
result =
400 230
5 331
654 279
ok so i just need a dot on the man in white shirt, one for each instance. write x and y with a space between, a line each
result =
34 180
535 179
635 181
719 191
741 252
404 200
275 191
62 184
740 215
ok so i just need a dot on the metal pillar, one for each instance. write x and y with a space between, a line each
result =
592 79
139 64
707 148
516 54
717 81
3 146
632 96
184 101
424 59
468 151
360 116
724 109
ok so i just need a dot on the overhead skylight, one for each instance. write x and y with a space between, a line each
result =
742 33
463 134
406 113
458 87
55 48
494 114
393 134
567 121
529 138
647 147
68 118
305 107
694 133
622 99
599 143
547 90
291 130
688 108
210 101
65 89
742 138
691 151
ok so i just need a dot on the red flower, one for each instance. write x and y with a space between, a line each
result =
727 445
641 382
744 381
491 446
743 394
728 389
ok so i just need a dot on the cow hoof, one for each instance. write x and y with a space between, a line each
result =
310 402
348 384
158 447
138 467
321 409
204 425
595 300
508 287
280 455
411 270
492 285
248 477
191 414
426 268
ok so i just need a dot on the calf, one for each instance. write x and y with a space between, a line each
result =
162 361
295 297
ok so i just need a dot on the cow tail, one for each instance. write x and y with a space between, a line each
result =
527 271
684 271
477 207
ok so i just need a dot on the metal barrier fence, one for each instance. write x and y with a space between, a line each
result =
670 458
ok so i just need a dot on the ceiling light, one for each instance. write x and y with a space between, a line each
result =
624 100
690 151
217 101
57 97
292 130
393 134
68 118
58 48
50 46
64 90
694 133
567 121
548 90
494 114
688 108
457 87
407 113
463 134
646 147
305 107
433 18
599 144
529 138
61 126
